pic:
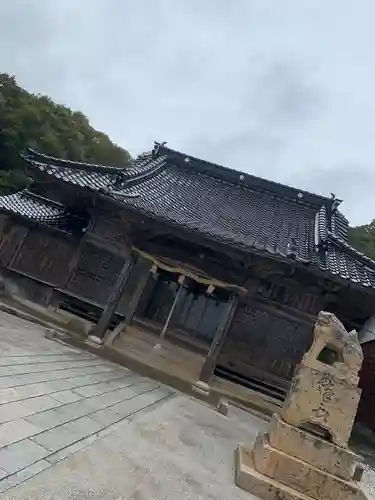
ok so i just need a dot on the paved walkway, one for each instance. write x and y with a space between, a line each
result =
55 400
180 449
73 426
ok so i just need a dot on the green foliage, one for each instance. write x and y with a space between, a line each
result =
28 120
363 238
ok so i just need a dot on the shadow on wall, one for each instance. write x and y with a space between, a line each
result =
8 287
14 286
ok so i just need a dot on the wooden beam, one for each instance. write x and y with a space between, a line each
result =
99 330
218 341
109 246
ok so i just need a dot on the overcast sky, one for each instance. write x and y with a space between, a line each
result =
283 89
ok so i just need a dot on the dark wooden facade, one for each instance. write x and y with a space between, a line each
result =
81 268
250 311
271 327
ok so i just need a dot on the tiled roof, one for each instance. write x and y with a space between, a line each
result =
229 206
36 208
344 261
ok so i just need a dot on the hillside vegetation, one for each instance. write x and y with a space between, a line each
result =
363 238
29 120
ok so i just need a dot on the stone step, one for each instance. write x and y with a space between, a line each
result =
259 485
309 448
301 475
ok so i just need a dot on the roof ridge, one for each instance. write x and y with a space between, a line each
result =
339 224
154 164
32 156
38 197
239 177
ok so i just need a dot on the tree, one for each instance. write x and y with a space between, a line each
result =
29 120
363 238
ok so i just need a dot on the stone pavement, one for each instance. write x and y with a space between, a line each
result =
55 400
180 449
73 426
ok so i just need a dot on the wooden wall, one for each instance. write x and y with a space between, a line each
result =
45 255
84 267
111 228
11 238
272 329
265 343
95 274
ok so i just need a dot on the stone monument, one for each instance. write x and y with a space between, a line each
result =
304 454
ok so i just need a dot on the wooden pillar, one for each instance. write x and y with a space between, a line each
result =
133 304
137 295
181 280
209 364
100 329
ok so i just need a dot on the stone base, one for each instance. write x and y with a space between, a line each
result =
314 484
223 407
201 388
312 449
247 478
301 475
95 340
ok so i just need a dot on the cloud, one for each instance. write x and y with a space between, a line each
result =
272 88
278 102
350 182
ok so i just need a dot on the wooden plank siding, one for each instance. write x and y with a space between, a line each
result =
111 228
84 267
265 341
45 255
271 330
11 239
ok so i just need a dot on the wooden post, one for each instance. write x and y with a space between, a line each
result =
137 295
181 280
100 329
132 307
209 364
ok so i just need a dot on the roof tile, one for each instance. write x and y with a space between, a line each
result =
255 214
36 208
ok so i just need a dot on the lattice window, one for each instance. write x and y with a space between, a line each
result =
96 274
